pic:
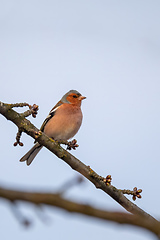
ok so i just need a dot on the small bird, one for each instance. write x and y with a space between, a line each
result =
62 123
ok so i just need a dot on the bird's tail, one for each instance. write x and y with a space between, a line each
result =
30 155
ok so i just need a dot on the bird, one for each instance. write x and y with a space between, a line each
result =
62 123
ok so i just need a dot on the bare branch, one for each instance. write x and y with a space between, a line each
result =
100 182
26 126
57 200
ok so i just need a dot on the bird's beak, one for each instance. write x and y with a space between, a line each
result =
81 98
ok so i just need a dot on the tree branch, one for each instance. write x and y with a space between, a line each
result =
57 200
26 126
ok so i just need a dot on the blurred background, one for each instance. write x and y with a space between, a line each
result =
110 52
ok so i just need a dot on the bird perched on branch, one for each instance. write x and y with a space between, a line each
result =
62 123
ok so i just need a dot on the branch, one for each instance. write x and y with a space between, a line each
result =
26 126
57 200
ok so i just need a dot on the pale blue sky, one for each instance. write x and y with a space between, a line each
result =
110 52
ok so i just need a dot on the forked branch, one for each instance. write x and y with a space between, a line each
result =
102 183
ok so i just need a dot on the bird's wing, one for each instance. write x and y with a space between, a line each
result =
50 115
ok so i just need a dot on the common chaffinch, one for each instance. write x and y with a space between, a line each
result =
62 123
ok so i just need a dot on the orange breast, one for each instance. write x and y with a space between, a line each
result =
65 123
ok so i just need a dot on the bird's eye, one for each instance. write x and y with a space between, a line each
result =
74 96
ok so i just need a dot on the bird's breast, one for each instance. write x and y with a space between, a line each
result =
65 123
